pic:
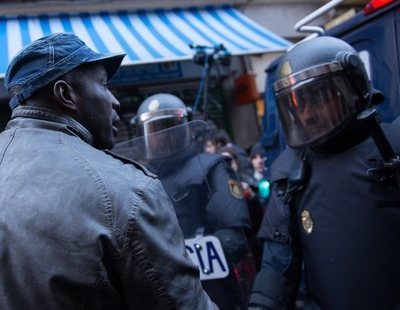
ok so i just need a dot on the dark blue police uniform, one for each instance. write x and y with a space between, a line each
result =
342 225
208 198
205 192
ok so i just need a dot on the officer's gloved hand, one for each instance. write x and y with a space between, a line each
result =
233 242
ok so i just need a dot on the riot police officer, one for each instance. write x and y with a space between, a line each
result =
328 212
205 191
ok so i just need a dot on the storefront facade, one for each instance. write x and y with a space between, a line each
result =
160 45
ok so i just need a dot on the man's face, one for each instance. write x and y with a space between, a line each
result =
96 105
314 117
313 110
321 111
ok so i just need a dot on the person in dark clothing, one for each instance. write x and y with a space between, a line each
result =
257 159
206 193
258 179
250 193
222 139
334 209
80 227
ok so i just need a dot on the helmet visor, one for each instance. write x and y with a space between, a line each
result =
163 137
154 121
160 123
313 110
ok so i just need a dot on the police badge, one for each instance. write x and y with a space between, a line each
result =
307 221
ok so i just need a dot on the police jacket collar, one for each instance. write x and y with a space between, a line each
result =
50 118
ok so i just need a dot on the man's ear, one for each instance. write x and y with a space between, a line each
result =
63 93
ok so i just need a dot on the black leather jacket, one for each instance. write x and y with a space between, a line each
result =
81 229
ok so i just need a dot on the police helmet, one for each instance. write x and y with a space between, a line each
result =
321 86
160 119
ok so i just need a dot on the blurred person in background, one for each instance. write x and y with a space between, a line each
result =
250 193
257 159
222 139
210 146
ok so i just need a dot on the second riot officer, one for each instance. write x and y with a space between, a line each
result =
205 191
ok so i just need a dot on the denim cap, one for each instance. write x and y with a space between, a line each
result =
50 57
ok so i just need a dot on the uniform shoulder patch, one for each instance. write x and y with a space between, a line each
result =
236 188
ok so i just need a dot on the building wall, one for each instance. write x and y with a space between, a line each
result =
281 17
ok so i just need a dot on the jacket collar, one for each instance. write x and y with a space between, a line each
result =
57 121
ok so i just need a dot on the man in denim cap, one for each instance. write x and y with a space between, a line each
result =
81 228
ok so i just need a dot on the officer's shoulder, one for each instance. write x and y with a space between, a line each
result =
392 133
131 162
280 168
210 159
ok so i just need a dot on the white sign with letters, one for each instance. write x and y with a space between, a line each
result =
207 254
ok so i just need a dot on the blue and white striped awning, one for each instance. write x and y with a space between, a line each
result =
145 35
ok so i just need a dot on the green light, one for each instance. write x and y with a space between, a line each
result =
263 189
